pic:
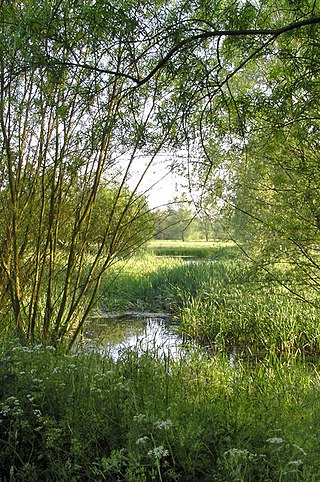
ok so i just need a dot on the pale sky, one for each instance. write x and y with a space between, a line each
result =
159 185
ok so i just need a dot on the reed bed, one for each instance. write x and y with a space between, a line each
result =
222 304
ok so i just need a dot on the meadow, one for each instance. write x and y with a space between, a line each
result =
244 406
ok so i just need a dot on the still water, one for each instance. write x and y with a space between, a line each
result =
144 335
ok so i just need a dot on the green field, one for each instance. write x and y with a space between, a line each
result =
244 408
194 249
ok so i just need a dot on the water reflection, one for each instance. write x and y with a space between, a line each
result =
153 335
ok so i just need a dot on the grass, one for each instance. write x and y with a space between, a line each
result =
86 417
250 412
222 304
199 249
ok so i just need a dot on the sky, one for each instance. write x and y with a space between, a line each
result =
159 185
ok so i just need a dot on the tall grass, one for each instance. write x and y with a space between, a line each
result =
222 304
202 417
198 250
86 417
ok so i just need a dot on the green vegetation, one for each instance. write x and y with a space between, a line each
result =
201 249
85 417
247 409
93 94
177 221
221 302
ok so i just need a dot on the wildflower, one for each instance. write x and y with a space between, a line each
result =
142 440
50 348
95 390
14 400
141 417
296 462
238 454
164 424
158 452
37 347
22 349
275 440
5 409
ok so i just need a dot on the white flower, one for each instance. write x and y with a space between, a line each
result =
237 454
142 440
95 390
141 417
50 348
5 409
37 347
296 462
158 452
164 424
275 440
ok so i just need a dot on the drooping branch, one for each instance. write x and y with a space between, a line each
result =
274 33
199 37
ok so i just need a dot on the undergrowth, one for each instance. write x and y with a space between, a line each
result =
85 417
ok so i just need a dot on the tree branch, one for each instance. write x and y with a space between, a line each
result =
226 33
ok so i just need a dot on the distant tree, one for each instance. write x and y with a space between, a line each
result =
175 221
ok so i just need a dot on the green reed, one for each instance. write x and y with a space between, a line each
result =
245 410
221 303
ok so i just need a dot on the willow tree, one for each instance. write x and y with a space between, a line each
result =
67 125
251 119
261 137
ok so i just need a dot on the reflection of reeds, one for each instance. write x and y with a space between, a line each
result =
145 335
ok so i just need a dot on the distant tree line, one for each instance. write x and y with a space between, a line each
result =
180 221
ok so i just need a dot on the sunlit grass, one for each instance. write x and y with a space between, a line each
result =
221 304
193 249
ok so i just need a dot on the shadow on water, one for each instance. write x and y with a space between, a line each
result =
144 335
